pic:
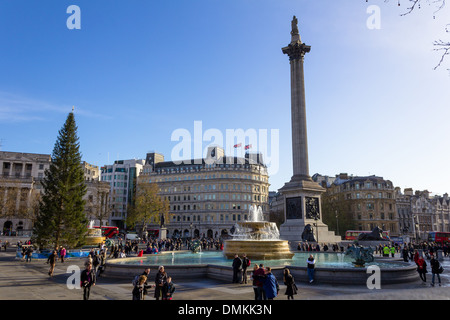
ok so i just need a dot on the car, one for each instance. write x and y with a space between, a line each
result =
132 236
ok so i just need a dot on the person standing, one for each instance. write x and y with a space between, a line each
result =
245 264
271 287
29 253
392 251
139 288
160 279
52 261
147 286
386 251
291 288
436 270
87 279
62 254
311 268
259 276
255 281
168 289
405 253
237 267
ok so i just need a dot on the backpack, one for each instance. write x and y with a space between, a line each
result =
135 280
248 262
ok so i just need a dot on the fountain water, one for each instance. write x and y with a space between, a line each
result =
257 238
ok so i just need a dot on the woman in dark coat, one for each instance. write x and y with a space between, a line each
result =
291 288
160 279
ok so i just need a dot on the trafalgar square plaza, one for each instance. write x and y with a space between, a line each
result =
235 214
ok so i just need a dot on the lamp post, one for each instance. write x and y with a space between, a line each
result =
317 228
337 222
415 227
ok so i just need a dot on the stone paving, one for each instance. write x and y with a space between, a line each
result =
20 280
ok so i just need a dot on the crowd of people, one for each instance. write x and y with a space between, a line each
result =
308 246
163 286
123 249
265 284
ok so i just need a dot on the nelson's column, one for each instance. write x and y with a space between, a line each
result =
301 195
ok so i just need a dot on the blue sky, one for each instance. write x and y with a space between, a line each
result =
138 70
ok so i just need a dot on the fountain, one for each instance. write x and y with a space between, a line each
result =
361 254
94 235
258 239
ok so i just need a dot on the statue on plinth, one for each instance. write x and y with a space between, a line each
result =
375 235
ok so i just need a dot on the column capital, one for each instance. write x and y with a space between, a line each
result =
296 50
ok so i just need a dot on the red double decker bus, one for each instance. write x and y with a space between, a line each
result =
440 237
108 232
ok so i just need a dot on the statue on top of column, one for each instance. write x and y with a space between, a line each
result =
294 26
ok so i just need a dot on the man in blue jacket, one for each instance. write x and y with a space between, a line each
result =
271 287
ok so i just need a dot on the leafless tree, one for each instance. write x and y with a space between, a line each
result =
439 45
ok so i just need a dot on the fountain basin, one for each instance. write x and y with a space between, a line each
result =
258 249
331 268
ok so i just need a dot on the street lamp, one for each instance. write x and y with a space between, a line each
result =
317 228
337 222
415 227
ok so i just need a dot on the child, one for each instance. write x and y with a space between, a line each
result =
168 289
139 289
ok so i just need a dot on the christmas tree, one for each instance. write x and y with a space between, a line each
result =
61 219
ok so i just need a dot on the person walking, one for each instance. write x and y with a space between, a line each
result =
96 260
271 287
87 279
416 256
102 265
245 264
52 261
160 279
311 268
291 288
237 267
436 270
422 269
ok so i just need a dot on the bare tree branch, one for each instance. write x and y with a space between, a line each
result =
442 46
439 45
411 9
